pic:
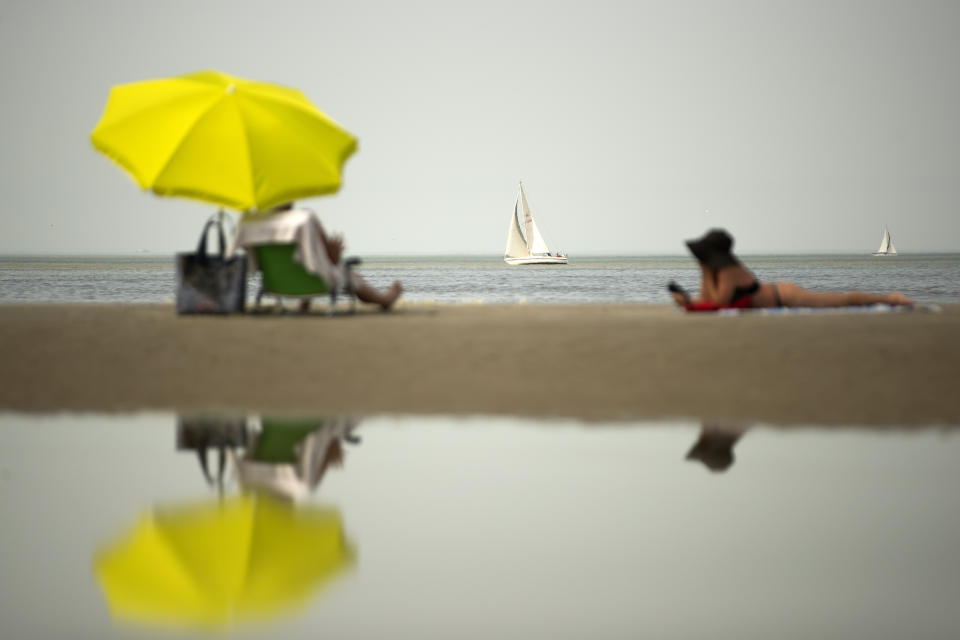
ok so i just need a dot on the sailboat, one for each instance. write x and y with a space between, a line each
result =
525 245
886 245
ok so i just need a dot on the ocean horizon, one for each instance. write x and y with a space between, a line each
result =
470 278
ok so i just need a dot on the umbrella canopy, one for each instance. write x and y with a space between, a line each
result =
222 139
212 565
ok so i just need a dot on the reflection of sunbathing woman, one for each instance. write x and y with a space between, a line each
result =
725 282
714 447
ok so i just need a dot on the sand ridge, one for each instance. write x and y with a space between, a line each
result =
594 362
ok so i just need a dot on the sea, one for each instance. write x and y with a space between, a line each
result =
927 278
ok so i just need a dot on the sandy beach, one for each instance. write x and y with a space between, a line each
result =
607 362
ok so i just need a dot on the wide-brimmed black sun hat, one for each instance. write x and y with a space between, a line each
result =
714 249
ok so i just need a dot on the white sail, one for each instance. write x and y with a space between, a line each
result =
516 243
535 242
884 241
525 243
886 245
538 246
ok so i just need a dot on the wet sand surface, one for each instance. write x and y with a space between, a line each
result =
597 362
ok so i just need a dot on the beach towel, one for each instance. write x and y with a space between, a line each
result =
786 311
742 303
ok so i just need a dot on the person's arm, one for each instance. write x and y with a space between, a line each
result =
680 295
333 243
683 299
708 285
726 283
723 293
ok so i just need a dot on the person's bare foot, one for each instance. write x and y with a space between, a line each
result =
391 295
897 298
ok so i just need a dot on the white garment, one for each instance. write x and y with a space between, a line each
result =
298 227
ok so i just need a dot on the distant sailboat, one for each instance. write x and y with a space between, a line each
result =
525 245
886 245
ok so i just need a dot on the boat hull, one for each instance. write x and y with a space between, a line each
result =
535 260
884 254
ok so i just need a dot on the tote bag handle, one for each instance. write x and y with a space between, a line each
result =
215 219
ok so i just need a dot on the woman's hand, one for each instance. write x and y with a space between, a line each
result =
680 299
680 296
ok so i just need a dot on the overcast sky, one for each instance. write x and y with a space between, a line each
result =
802 127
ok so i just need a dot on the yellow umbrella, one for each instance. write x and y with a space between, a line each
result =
212 565
222 139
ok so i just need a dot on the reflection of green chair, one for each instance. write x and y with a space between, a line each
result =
279 438
284 277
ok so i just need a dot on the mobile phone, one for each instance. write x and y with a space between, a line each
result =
673 287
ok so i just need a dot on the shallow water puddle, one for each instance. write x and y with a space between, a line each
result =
473 527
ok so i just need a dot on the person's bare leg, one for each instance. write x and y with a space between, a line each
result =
897 298
384 298
865 298
794 296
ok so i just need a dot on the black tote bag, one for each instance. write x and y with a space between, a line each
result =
211 283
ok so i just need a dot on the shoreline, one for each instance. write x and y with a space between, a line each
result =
587 362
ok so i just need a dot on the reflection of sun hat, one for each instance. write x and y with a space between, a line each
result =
715 459
714 447
714 249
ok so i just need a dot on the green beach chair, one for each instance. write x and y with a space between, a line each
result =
283 277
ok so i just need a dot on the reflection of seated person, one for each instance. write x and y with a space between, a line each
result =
319 253
289 457
714 447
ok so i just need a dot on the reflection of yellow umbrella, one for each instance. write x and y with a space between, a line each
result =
210 565
223 139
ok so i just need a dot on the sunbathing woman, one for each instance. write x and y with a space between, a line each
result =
727 283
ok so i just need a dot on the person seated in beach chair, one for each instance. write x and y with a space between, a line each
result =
289 456
297 258
726 284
